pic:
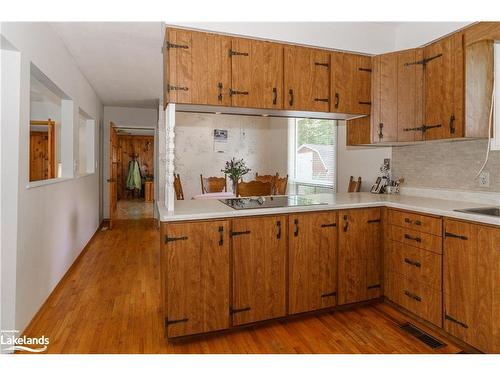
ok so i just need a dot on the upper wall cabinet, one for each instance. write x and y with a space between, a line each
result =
197 68
307 79
350 83
443 64
257 74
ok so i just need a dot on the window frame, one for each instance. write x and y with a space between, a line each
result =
495 141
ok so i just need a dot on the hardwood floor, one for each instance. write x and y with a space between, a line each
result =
133 209
109 302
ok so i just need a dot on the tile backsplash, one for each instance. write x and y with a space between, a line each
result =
449 165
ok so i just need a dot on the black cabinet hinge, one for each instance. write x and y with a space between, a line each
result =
173 45
413 296
373 221
326 65
169 322
365 70
328 225
233 233
325 100
221 236
232 53
236 92
422 128
177 88
330 294
172 239
365 103
423 62
374 286
452 235
452 319
235 311
452 124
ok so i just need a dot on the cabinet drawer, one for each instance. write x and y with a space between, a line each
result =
415 264
415 238
415 297
422 223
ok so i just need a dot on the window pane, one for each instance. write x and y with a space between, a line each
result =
315 151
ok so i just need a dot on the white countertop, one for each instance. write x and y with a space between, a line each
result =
213 209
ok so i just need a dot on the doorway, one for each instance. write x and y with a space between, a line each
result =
131 173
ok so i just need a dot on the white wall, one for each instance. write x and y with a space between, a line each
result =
356 161
260 141
55 221
121 116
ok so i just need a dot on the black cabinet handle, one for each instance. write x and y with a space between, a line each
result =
235 311
172 239
452 319
330 294
452 124
220 87
278 224
239 233
413 296
275 95
373 221
236 92
290 102
409 221
296 231
457 236
417 239
337 100
346 223
175 321
380 130
221 236
413 262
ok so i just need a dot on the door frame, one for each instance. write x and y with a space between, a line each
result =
112 179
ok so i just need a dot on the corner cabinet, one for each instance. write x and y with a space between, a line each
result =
312 270
360 255
194 263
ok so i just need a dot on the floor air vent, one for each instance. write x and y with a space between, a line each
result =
422 336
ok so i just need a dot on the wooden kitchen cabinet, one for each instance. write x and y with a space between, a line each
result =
358 131
359 255
197 67
471 267
306 79
312 261
256 74
259 246
350 83
195 277
444 88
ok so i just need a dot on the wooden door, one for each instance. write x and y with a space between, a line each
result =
409 95
38 156
385 98
471 279
113 173
444 88
197 68
196 264
259 268
312 261
256 74
350 83
359 259
306 79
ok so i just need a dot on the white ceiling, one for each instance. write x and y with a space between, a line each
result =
123 60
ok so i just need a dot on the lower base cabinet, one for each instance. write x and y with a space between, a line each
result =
194 262
360 255
312 261
259 246
471 277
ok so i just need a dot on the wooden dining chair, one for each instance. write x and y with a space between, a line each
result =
253 189
280 185
266 177
213 184
179 194
354 185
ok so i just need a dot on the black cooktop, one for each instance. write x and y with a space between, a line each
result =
270 202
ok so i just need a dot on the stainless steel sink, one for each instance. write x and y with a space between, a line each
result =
489 211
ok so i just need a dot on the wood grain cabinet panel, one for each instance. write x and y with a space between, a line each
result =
257 74
195 265
471 284
415 221
312 261
306 79
198 67
359 255
259 247
444 87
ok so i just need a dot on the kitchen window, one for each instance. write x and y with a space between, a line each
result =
312 165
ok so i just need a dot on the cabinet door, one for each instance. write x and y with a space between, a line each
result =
197 68
259 268
257 74
351 83
312 261
444 87
385 98
359 255
409 95
471 279
358 131
306 79
195 269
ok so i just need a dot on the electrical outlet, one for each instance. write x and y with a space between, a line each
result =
484 179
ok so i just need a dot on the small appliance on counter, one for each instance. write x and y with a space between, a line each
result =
269 202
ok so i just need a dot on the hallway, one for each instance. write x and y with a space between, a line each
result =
109 302
134 209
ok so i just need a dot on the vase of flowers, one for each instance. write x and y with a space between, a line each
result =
235 169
